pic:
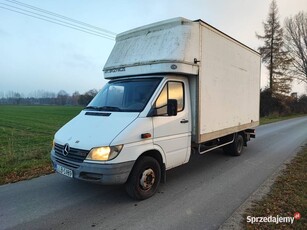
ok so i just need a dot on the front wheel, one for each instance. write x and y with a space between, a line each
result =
144 178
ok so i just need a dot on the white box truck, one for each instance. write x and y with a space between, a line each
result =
174 86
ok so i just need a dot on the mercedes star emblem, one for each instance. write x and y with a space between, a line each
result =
66 150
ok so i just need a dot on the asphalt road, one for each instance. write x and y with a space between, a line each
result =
199 195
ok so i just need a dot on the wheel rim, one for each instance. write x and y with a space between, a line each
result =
148 179
239 145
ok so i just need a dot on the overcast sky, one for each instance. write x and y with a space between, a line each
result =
38 55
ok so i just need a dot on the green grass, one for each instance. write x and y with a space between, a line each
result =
26 134
288 195
275 118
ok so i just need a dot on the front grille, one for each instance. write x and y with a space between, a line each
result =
75 155
66 163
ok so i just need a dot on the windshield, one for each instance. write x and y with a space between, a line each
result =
124 95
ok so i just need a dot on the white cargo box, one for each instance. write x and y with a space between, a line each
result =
224 74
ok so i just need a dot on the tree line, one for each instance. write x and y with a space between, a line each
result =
284 54
42 97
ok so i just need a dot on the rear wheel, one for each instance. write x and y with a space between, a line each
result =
144 178
236 147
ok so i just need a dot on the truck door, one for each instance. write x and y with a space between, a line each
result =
172 133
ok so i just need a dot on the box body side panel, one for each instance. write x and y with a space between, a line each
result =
229 86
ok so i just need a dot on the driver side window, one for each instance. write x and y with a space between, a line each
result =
172 90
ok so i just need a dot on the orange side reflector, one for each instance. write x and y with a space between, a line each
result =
145 135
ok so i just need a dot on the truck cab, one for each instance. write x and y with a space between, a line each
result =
143 118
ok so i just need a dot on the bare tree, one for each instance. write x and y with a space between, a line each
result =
87 97
62 97
75 97
273 53
296 44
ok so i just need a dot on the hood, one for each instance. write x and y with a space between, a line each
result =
93 129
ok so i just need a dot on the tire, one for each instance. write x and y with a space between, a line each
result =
144 178
235 148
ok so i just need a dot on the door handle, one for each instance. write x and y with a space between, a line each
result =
184 121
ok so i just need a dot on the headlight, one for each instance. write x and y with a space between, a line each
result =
104 153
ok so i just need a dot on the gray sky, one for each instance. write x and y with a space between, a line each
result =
38 55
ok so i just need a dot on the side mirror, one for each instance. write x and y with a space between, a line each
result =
172 106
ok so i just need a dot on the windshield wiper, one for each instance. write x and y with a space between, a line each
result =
103 108
109 108
91 107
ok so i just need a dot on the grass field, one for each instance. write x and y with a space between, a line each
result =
26 134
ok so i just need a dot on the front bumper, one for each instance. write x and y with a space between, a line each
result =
99 173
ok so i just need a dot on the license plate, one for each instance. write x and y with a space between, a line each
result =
64 171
